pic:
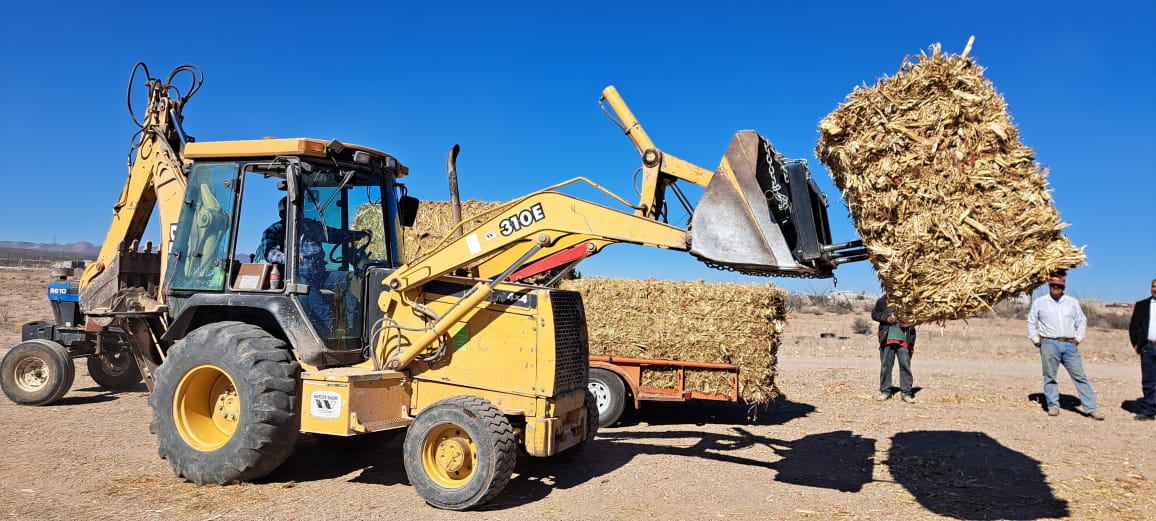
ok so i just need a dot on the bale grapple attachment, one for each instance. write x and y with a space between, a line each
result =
760 214
763 215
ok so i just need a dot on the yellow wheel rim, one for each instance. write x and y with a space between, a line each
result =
206 408
449 456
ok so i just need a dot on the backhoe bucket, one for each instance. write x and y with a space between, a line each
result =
761 216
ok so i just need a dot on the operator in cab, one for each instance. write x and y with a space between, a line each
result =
311 267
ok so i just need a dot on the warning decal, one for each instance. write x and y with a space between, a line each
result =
325 404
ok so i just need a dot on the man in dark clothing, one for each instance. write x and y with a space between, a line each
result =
311 265
895 341
1142 333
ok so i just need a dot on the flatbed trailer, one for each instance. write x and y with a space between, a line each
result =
615 380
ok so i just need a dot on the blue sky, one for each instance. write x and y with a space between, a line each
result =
516 84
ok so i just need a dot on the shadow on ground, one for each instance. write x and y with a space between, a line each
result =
1135 407
1067 402
375 458
85 400
140 387
703 412
818 460
836 460
963 475
969 475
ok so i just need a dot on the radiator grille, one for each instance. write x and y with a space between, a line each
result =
571 349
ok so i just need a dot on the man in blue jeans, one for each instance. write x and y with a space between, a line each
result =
1056 325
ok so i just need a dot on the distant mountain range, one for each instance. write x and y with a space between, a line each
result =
76 248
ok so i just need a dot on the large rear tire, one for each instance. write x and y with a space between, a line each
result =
460 452
37 372
114 370
610 393
224 404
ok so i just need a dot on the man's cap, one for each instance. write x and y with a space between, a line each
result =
282 204
1058 280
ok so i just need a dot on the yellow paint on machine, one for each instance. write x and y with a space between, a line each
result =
346 401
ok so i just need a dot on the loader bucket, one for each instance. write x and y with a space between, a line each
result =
752 220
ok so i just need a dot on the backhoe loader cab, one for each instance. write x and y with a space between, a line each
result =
232 234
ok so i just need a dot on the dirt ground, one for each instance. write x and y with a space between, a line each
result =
976 445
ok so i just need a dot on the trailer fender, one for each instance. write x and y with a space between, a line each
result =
630 379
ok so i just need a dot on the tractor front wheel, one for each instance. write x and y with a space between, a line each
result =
224 404
37 372
114 370
460 452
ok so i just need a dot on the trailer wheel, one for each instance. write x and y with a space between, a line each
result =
610 394
114 370
224 404
459 452
37 372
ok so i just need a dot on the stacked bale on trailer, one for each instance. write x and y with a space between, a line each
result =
954 210
737 324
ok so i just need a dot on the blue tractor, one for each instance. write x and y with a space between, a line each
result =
41 370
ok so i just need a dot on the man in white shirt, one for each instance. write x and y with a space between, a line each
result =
1142 332
1056 326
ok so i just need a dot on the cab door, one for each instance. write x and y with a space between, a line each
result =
199 256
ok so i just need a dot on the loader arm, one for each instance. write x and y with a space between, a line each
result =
656 164
532 227
760 214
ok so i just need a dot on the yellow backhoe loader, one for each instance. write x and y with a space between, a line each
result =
265 311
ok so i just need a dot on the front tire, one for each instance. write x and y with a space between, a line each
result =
224 404
114 370
610 393
460 452
37 372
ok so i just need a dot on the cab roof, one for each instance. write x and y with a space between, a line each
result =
272 147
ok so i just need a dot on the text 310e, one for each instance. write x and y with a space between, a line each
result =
522 219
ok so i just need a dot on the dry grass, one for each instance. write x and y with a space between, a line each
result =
16 307
992 338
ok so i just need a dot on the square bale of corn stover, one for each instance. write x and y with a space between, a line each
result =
954 211
726 323
434 223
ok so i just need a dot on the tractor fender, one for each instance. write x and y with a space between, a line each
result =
280 315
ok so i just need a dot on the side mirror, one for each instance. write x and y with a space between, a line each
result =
407 210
